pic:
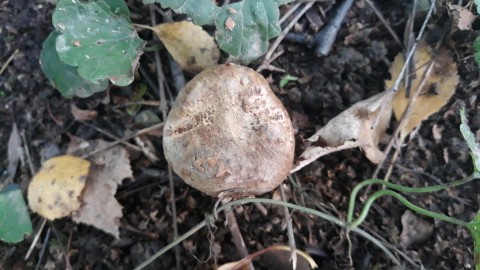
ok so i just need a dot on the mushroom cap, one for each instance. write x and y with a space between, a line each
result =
228 132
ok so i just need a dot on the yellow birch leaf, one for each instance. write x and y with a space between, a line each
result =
192 47
439 86
55 190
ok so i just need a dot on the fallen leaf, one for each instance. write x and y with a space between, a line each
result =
100 208
414 229
15 222
276 257
82 115
55 190
462 17
438 89
351 128
14 151
192 47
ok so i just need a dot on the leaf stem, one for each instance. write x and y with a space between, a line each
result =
356 189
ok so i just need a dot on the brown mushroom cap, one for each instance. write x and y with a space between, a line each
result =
229 132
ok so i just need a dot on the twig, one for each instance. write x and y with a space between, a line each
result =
42 251
326 37
140 102
8 61
236 234
111 136
27 153
385 23
291 236
35 239
163 108
62 246
289 12
395 87
112 144
267 60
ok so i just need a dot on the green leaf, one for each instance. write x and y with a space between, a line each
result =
286 79
470 138
245 28
119 8
102 44
65 77
476 46
15 222
474 227
477 3
201 11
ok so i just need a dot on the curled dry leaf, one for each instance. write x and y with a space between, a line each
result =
192 47
439 87
100 208
351 128
82 115
55 190
276 257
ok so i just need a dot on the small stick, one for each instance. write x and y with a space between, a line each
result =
27 153
236 234
8 61
291 236
42 251
35 239
142 131
326 37
385 23
140 102
267 60
111 136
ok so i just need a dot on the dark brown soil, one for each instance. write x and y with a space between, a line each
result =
354 70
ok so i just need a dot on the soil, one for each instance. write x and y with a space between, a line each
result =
354 70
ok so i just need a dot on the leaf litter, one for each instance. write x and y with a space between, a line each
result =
100 208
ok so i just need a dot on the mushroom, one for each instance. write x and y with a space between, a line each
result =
228 133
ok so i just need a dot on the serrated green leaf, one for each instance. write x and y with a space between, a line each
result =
474 227
102 44
65 77
201 11
15 222
119 8
470 138
245 28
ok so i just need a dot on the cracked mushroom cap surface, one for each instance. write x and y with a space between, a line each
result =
228 132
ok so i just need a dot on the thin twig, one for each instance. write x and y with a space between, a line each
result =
111 136
267 60
291 236
112 144
42 251
8 61
385 23
140 102
289 12
27 153
36 238
236 234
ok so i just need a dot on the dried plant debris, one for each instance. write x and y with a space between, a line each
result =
415 229
351 128
438 88
109 168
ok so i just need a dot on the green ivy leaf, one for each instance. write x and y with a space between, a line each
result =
15 222
470 138
102 44
245 28
65 77
201 11
474 227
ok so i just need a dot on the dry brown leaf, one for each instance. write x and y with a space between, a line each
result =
82 115
14 152
100 208
192 47
276 257
438 89
349 129
462 17
55 190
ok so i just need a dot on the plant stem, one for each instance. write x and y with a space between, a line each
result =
356 189
209 219
408 204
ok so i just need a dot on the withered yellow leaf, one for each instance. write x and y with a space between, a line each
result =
192 47
439 86
55 190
